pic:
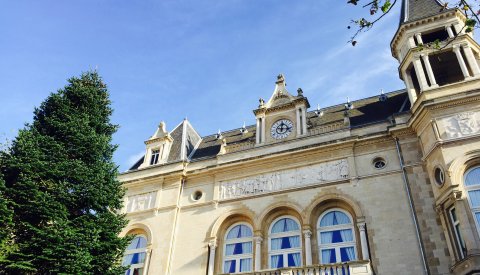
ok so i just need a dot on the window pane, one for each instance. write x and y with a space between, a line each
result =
239 231
477 216
474 197
328 256
245 265
135 258
473 177
137 242
334 218
294 259
238 248
347 254
276 261
229 267
285 225
285 242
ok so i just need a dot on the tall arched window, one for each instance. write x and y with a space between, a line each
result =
336 237
472 186
238 250
284 243
134 255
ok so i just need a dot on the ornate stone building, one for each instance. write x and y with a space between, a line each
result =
383 185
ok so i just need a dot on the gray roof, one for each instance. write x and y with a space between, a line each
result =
366 111
417 9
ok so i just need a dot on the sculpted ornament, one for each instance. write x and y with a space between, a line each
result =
287 179
460 125
140 202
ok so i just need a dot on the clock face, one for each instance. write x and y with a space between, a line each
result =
281 129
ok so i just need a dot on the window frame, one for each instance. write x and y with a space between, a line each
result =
475 187
237 258
284 252
154 155
336 246
141 266
459 242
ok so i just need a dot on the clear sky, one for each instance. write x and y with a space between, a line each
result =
208 60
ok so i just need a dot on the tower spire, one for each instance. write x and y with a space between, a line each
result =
417 9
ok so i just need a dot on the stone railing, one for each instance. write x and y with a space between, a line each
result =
350 268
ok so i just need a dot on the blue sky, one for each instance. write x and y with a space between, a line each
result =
206 60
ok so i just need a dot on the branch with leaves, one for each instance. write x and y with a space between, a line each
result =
380 8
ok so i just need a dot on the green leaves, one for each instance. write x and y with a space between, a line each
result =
58 172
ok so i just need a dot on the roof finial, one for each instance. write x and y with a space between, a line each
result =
243 130
300 92
262 103
280 79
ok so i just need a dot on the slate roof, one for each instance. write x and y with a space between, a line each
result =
417 9
366 111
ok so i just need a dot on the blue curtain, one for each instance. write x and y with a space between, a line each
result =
276 261
474 197
276 244
245 265
238 248
229 267
347 254
229 249
328 256
326 237
285 225
293 259
473 177
134 258
477 216
347 235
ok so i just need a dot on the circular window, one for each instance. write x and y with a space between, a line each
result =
197 195
379 163
439 176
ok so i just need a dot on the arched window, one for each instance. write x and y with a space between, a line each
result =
336 237
238 250
472 186
134 256
284 243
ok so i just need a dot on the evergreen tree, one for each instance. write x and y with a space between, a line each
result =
5 222
61 180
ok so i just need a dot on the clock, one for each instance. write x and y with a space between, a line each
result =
281 129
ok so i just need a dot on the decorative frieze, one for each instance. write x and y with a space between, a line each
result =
459 125
287 179
140 202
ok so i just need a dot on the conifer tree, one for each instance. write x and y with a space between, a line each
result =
61 180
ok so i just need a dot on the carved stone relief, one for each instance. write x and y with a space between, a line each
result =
460 125
141 202
281 180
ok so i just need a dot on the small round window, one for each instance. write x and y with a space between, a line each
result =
197 195
379 163
439 176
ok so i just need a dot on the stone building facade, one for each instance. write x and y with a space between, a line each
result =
383 185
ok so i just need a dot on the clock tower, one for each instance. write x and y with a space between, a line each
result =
283 116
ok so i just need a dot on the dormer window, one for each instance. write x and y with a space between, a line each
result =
155 156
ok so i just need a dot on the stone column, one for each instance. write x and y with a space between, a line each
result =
411 42
264 131
431 77
420 73
304 121
412 95
449 31
211 257
363 240
465 228
299 132
147 261
258 132
258 253
463 66
472 62
419 38
308 247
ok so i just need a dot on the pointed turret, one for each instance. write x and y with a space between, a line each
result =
280 94
418 9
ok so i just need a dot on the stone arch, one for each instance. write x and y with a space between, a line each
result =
230 217
461 164
265 219
139 228
328 202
